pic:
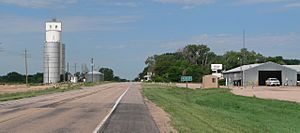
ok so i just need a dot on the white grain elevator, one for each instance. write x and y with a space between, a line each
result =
54 53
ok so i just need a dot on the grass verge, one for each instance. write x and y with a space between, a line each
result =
218 110
63 88
27 94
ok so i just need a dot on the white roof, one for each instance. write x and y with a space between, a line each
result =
94 72
243 68
295 67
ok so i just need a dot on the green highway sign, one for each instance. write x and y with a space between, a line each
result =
186 78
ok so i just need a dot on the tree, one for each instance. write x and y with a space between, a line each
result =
234 59
108 74
150 62
14 77
277 59
142 74
194 60
77 74
197 54
292 61
36 78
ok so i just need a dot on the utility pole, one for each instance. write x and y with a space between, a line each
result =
68 69
92 69
26 67
75 67
243 58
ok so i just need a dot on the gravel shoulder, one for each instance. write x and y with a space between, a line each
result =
161 118
266 92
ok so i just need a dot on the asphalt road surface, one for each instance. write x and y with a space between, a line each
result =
131 115
74 111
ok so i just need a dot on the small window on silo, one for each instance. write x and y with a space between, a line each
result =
50 26
55 26
213 80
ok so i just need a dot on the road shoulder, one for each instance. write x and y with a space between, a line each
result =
161 118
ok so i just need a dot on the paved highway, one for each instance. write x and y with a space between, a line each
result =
73 111
131 115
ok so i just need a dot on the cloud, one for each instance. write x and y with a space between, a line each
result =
187 2
63 3
21 24
127 4
38 3
268 44
98 23
292 5
249 2
112 46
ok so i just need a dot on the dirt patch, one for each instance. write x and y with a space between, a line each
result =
266 92
19 88
160 117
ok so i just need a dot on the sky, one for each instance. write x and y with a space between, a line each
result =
121 34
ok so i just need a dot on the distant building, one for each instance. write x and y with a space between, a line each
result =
74 79
210 81
94 76
148 77
257 74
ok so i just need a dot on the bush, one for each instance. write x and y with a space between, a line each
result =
222 82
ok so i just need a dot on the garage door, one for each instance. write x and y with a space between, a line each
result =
264 75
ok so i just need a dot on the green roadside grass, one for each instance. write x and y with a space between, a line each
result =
51 90
218 110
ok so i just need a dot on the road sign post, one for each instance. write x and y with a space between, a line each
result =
186 79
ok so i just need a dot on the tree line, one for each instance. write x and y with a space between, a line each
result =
195 60
109 75
15 77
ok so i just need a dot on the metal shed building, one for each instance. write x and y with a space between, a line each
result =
94 76
297 68
257 74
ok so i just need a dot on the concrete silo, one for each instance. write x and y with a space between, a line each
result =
62 60
53 52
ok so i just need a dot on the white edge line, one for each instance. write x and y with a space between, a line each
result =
111 111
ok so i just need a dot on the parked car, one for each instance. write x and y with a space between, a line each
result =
272 82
